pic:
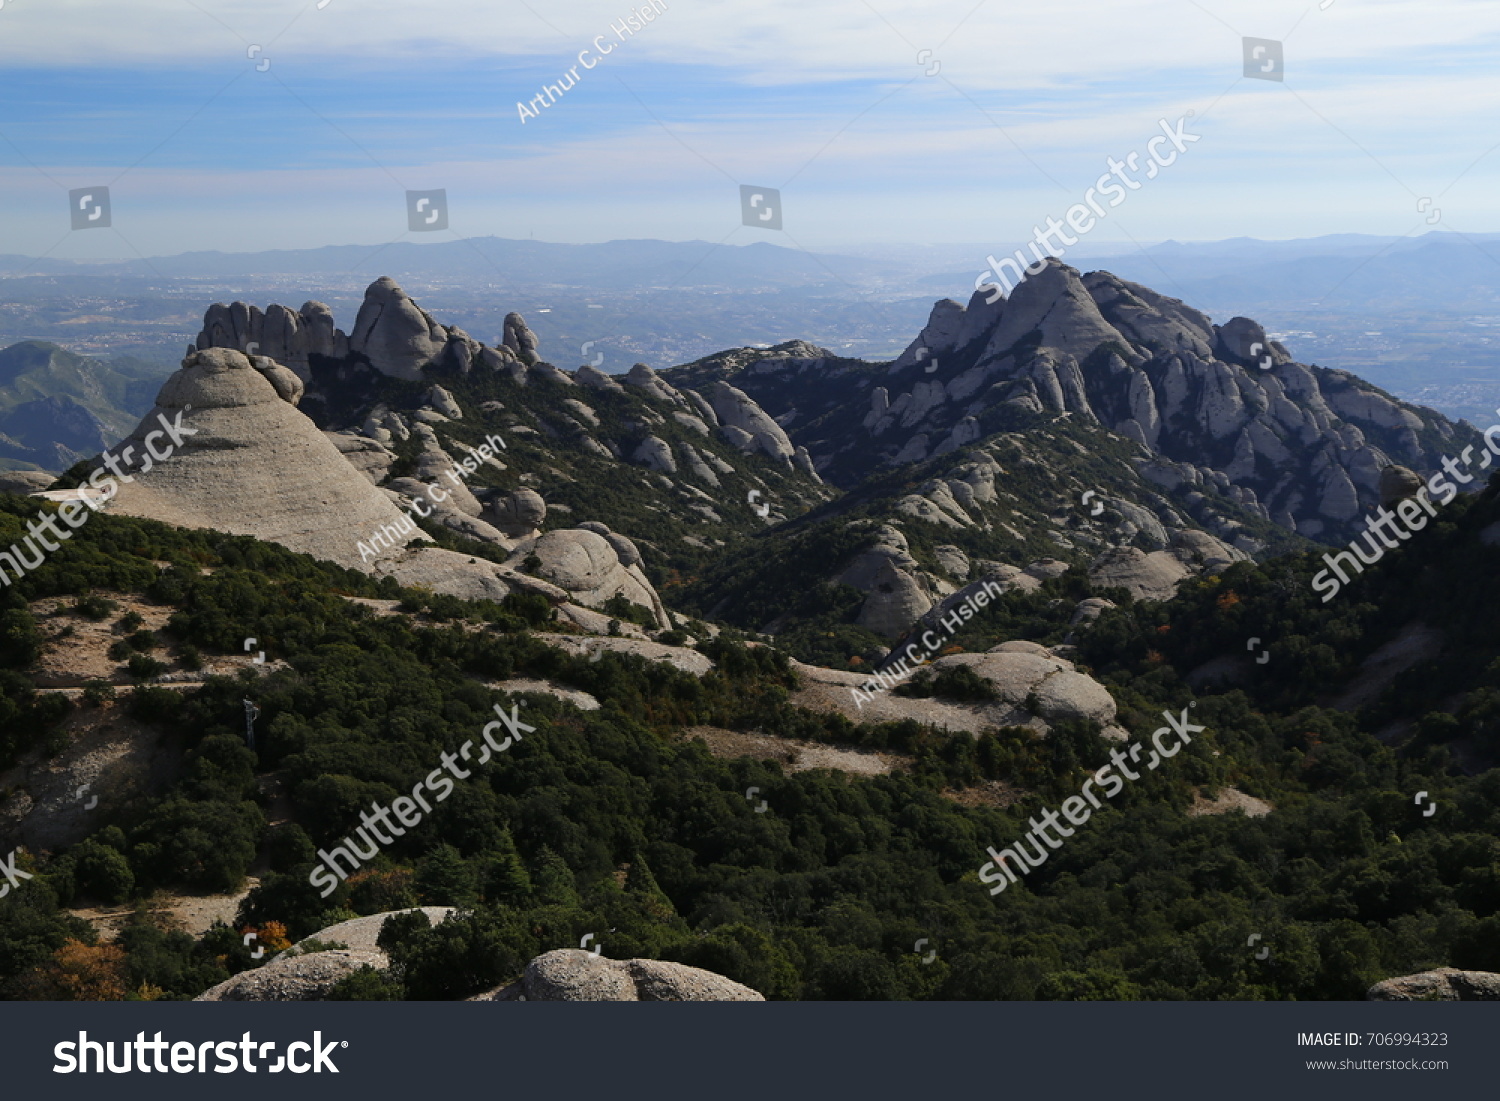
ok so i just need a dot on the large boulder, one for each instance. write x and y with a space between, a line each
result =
1035 689
255 466
292 976
1241 340
890 548
572 975
1145 576
596 380
696 464
1154 575
1398 483
442 401
397 336
1049 687
644 378
518 338
896 599
289 979
518 514
655 454
735 409
587 566
467 578
368 456
1445 984
628 552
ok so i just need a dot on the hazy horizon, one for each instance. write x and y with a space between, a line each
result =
234 126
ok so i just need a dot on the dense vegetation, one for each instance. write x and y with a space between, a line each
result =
613 822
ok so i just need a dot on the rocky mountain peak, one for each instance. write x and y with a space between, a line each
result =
397 336
1299 446
392 333
1055 303
518 338
252 463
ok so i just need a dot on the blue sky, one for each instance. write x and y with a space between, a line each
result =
1385 102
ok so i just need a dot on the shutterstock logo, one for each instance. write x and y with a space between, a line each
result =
145 1056
760 207
89 207
1263 59
427 211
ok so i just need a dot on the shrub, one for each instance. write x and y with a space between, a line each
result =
534 608
102 872
97 692
621 608
376 891
289 846
367 985
94 607
143 667
462 956
200 844
957 683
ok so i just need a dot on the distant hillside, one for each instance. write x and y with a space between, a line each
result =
57 407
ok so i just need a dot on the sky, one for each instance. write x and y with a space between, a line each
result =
235 125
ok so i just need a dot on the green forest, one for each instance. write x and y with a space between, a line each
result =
614 822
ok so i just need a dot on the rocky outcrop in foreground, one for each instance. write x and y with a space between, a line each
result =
572 975
294 977
566 975
297 979
1445 984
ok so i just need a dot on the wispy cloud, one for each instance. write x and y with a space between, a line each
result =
242 125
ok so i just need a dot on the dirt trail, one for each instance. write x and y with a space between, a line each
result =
193 914
797 755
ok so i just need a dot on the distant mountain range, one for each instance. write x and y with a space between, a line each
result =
1413 315
1440 271
1435 270
57 407
613 265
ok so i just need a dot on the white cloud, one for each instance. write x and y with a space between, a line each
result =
1001 45
763 90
